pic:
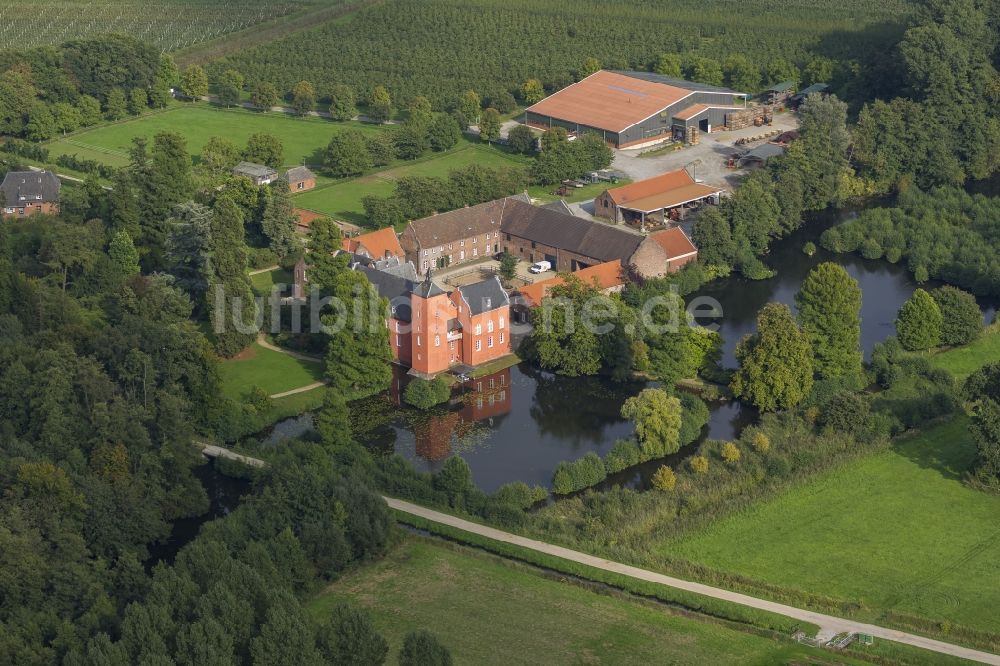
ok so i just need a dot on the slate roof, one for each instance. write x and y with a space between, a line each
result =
814 88
396 266
484 296
559 206
783 86
764 152
460 223
295 174
427 288
396 289
20 187
254 170
678 83
599 241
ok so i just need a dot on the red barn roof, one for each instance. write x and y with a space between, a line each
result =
664 191
606 276
378 244
609 101
674 242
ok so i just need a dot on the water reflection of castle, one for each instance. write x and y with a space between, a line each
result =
480 399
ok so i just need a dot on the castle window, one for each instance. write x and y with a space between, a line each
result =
479 345
437 340
489 342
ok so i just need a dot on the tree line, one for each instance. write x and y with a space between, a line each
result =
48 91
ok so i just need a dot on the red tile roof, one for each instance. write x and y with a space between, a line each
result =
609 101
378 244
664 191
674 242
607 276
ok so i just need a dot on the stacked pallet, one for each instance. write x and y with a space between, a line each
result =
692 137
756 115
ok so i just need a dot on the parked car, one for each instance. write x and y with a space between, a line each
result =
540 267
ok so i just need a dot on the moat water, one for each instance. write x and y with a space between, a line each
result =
518 424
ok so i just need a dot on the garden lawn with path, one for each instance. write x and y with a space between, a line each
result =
272 371
263 281
342 199
304 139
895 531
487 611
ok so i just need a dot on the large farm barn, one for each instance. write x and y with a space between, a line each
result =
632 109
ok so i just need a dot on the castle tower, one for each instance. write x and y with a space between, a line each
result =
431 311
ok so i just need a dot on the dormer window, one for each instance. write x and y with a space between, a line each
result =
488 302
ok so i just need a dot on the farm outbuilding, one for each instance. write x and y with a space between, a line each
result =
654 201
634 109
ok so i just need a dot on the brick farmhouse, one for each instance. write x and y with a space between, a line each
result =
24 193
533 233
300 179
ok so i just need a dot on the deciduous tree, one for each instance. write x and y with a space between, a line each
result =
489 125
961 318
657 417
343 103
776 370
194 82
303 97
829 309
918 325
263 148
347 154
379 105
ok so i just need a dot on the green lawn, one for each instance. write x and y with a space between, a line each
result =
272 371
262 282
489 612
303 138
343 199
962 361
576 194
895 531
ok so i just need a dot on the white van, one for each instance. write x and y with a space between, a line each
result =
540 267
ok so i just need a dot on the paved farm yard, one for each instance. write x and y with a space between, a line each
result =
897 530
304 139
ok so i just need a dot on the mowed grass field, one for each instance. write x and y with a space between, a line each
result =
304 139
489 612
895 531
272 371
963 361
342 199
